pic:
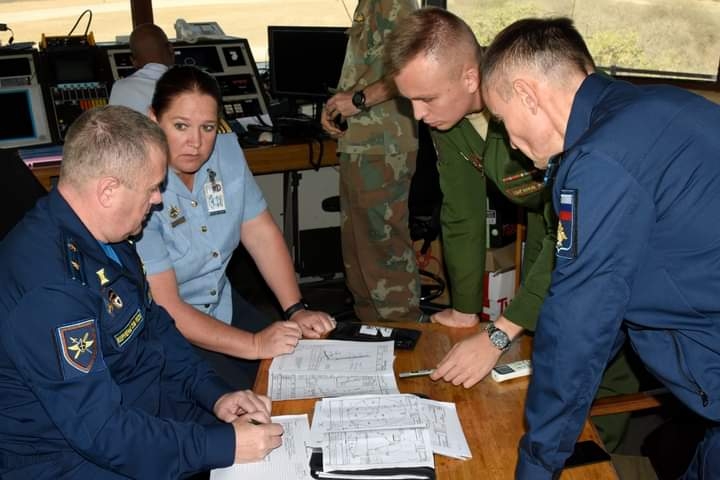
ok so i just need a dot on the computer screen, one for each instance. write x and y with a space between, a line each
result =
305 62
23 120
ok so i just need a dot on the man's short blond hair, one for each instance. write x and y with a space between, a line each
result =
109 141
435 33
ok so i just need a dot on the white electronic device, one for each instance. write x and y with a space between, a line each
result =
508 371
192 32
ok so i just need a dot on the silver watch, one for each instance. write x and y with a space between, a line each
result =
497 337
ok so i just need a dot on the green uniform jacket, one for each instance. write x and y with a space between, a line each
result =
463 217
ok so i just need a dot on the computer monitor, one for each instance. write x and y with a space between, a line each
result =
305 62
23 121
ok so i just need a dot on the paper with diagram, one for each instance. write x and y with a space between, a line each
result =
330 368
287 462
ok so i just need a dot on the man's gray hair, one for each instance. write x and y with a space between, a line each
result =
109 141
552 47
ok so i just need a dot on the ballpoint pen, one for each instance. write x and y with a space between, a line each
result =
416 373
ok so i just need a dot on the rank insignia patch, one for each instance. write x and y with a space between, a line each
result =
78 348
566 246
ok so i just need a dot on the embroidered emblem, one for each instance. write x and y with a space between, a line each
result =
174 212
101 277
566 246
78 345
131 327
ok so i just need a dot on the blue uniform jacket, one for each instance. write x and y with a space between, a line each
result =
637 192
93 373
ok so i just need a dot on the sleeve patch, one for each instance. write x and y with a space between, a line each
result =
566 246
79 348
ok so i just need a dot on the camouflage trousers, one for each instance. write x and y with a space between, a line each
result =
380 267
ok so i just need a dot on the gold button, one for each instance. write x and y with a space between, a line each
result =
203 229
193 203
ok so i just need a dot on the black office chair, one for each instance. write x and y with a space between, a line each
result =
20 187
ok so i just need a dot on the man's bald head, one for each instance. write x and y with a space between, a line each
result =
149 44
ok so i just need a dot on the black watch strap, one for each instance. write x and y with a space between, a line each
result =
294 308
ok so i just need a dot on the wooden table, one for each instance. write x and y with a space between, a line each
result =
261 160
491 413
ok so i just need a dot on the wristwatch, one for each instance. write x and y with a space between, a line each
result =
497 337
294 308
358 99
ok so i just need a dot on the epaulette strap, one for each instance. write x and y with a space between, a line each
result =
74 260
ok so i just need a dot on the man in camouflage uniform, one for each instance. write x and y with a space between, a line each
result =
445 93
377 160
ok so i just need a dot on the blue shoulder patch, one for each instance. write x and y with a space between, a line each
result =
79 348
566 246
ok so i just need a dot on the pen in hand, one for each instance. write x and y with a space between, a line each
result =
416 373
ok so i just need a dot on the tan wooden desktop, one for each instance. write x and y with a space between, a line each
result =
491 413
261 160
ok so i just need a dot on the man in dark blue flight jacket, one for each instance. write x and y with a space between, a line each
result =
95 380
635 173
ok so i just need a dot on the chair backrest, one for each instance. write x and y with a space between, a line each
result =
20 188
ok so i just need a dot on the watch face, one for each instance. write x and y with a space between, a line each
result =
499 339
358 99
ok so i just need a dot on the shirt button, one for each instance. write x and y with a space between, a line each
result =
215 254
193 203
213 292
207 306
203 229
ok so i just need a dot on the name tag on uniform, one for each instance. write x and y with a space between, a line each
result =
214 194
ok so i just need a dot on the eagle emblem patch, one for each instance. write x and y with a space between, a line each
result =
566 246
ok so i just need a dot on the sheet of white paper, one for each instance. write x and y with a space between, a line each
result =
371 431
329 368
290 461
446 431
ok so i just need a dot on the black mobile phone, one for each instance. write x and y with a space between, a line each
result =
586 452
404 338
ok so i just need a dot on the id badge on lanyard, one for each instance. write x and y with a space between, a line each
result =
214 194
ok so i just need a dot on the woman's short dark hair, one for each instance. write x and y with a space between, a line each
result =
183 79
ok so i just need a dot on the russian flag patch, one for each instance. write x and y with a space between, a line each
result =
566 246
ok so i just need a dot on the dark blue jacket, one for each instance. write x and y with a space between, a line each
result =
95 380
637 192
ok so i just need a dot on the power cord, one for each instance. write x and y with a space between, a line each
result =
5 28
87 27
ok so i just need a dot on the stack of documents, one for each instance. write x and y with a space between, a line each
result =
383 436
361 437
331 368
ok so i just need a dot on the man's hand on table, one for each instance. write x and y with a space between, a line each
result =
454 318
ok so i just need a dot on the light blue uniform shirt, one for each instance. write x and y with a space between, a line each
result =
182 234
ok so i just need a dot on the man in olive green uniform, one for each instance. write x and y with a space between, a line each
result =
433 57
377 161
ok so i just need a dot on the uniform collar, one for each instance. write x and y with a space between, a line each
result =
76 231
586 98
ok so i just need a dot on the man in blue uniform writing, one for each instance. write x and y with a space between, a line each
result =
95 381
635 175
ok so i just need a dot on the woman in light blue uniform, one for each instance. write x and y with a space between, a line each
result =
211 203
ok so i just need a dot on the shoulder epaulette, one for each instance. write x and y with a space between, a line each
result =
74 260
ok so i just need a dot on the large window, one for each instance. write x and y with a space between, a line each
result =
680 38
30 19
111 18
